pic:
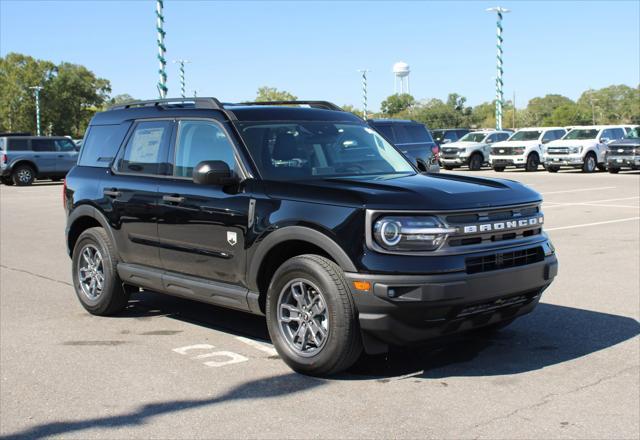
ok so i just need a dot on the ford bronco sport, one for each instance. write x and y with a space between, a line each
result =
301 212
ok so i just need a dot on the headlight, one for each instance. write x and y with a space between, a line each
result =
518 150
395 233
575 150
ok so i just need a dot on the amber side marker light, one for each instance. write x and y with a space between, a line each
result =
362 285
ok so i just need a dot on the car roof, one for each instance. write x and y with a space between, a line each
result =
392 121
243 112
541 128
34 137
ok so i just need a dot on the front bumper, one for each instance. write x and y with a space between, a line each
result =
455 161
564 160
411 309
623 161
505 161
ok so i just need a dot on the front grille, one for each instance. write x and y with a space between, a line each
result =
557 150
493 305
504 260
449 153
503 151
622 151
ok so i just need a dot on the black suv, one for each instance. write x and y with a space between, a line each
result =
412 138
303 214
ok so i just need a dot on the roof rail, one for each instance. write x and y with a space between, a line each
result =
203 103
316 104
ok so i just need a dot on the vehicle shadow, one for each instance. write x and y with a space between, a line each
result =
552 334
265 388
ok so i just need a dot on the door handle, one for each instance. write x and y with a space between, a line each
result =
173 199
113 192
60 155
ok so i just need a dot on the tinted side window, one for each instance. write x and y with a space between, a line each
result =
386 131
560 133
451 135
18 145
101 144
492 138
64 145
146 151
199 141
43 145
606 134
418 133
618 133
402 135
503 136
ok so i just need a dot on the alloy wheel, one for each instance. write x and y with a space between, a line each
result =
91 272
303 319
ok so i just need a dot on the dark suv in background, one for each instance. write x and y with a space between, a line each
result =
305 215
447 135
25 158
411 137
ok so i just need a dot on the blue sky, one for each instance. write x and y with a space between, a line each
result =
314 49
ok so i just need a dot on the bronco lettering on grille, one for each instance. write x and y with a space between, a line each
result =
500 226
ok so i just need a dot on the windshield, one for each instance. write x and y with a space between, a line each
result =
529 135
633 134
307 150
473 137
584 133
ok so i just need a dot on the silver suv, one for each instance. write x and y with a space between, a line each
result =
25 158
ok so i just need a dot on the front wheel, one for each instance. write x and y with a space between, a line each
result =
475 162
23 175
311 316
589 165
532 162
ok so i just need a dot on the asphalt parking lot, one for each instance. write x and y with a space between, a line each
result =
171 368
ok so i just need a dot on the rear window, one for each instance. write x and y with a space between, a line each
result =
43 145
101 144
386 131
418 133
17 144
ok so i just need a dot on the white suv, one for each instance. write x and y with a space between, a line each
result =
524 148
582 147
472 149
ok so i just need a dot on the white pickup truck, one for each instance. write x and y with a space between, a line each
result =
524 148
472 149
582 147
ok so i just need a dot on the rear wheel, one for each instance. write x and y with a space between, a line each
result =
95 279
533 160
475 162
590 162
311 316
602 167
23 175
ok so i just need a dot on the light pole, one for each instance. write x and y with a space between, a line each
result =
160 34
181 63
499 83
36 92
364 91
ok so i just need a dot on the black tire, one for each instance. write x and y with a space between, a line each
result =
113 296
475 162
343 344
590 163
552 169
533 161
6 180
56 179
23 175
498 169
614 170
602 167
446 167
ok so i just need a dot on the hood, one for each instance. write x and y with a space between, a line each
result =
465 144
413 192
572 143
625 143
515 143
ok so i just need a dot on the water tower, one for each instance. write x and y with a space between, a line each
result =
401 72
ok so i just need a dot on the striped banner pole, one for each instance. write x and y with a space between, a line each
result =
183 87
162 83
364 91
499 66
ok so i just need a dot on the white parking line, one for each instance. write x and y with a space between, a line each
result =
578 190
258 345
593 224
593 202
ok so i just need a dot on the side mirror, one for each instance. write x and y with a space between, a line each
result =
446 141
213 172
604 140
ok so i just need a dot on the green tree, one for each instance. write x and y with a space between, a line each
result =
17 103
539 109
120 99
568 114
273 94
397 103
613 104
352 109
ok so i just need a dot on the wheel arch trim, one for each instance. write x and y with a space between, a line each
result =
297 233
87 211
